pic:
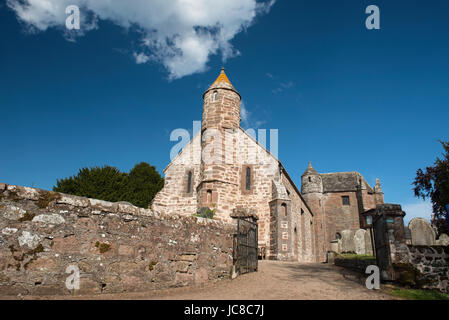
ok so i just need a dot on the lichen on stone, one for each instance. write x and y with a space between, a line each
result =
103 247
152 264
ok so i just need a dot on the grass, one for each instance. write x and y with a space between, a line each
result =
27 217
356 256
46 197
419 294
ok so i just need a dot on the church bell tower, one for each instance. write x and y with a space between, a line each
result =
221 120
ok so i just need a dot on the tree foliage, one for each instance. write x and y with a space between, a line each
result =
433 184
138 187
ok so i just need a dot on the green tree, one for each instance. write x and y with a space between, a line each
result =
143 184
107 183
433 184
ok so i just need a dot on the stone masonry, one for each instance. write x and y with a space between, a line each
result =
116 246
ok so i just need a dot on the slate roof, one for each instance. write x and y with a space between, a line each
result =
343 181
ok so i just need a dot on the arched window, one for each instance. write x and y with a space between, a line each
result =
209 196
189 182
310 179
284 209
215 96
248 178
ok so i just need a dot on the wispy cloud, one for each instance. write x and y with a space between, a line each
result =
247 118
180 35
280 86
283 86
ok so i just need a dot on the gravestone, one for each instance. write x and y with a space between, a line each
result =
443 240
421 232
346 243
368 243
359 241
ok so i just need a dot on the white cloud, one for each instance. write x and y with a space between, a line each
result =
247 118
283 86
180 34
244 114
417 210
141 57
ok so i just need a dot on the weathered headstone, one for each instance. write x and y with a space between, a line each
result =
359 241
368 243
346 243
421 232
443 240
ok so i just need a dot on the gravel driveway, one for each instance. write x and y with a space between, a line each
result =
274 281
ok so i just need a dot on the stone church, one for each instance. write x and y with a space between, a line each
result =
224 168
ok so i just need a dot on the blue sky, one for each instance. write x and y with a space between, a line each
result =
343 97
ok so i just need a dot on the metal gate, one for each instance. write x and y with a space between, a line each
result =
382 247
245 245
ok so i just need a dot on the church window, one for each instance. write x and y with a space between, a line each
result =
345 200
209 196
248 178
284 209
215 96
310 179
189 182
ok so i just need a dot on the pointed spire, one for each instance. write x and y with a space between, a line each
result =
378 187
222 79
310 170
222 82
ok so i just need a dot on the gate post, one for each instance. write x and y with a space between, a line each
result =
389 237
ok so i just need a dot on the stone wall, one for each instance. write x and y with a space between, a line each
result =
116 246
430 267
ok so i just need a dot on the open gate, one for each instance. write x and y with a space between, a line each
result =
246 245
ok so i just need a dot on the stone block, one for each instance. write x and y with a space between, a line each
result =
188 257
73 200
67 245
54 219
443 240
125 250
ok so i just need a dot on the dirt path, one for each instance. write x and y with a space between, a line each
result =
274 280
